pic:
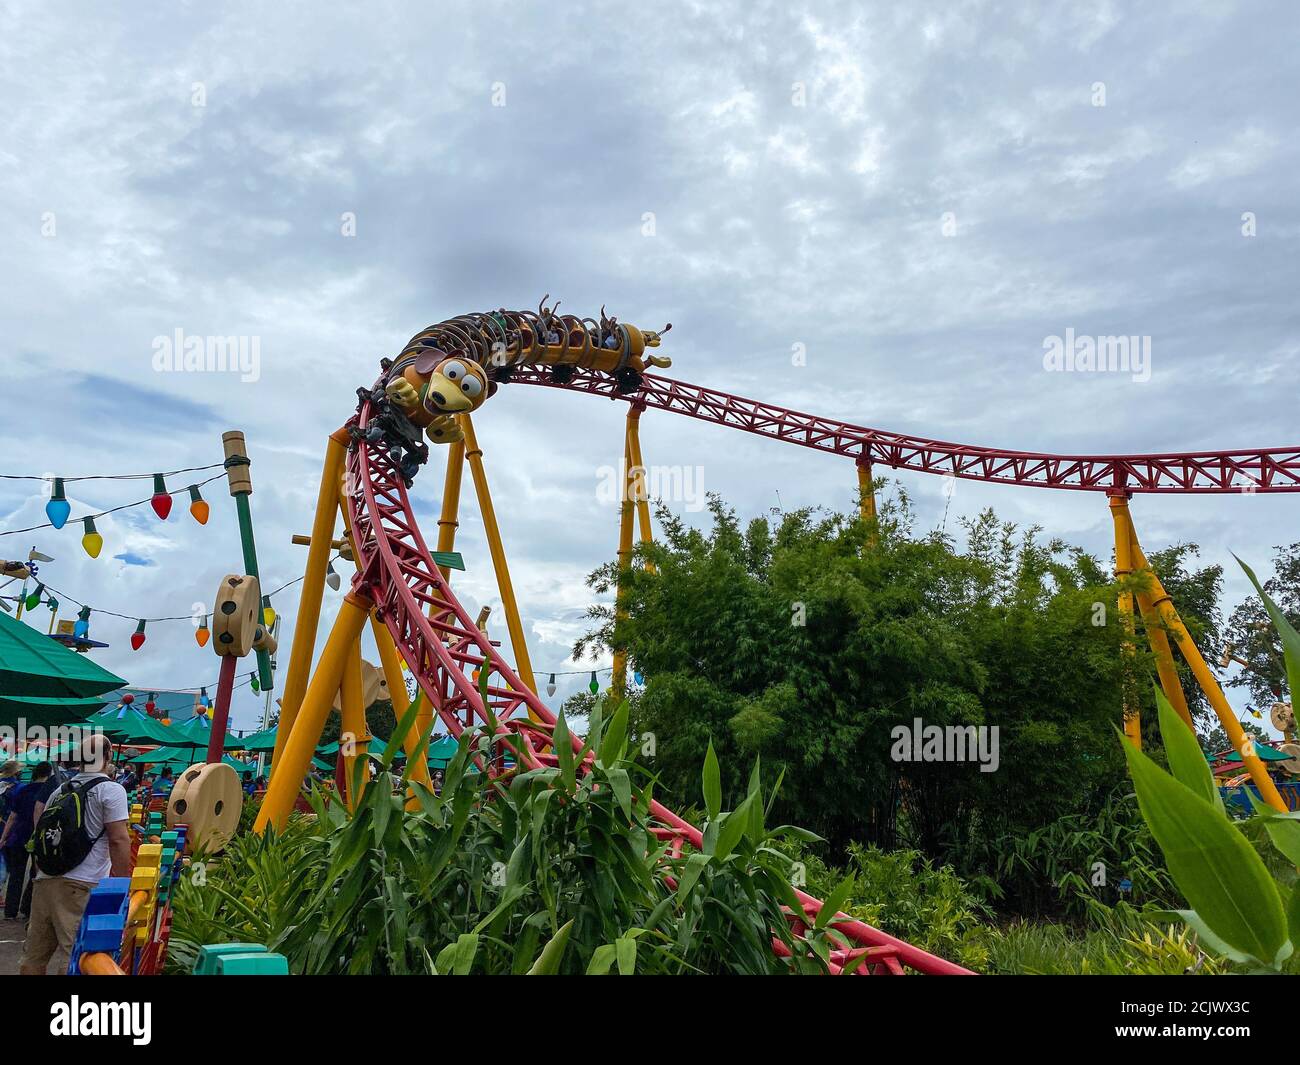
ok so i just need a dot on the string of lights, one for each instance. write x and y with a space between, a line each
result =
59 510
107 476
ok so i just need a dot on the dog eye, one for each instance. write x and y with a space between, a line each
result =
472 386
453 370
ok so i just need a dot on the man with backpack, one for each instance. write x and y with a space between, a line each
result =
80 838
25 804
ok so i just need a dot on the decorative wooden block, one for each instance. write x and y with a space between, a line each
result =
207 799
236 616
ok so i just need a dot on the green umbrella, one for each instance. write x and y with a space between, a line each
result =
129 725
441 751
179 761
46 711
33 664
260 741
1266 754
36 755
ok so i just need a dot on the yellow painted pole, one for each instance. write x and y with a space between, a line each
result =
1164 655
313 587
514 626
354 723
392 668
868 494
449 519
618 683
317 701
637 463
1123 568
1157 636
1164 607
397 692
448 523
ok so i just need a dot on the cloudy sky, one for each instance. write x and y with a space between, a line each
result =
917 193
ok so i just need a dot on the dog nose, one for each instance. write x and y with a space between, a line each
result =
440 399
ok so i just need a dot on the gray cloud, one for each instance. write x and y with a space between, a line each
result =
775 224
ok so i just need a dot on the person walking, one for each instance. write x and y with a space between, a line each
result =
25 806
10 774
80 838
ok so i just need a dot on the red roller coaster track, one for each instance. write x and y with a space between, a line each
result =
443 646
1252 470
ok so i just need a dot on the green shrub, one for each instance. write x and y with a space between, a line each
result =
541 871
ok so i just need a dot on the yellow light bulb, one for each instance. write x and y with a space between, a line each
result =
91 540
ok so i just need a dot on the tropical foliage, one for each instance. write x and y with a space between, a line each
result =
544 871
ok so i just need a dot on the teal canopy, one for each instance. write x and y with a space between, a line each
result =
32 664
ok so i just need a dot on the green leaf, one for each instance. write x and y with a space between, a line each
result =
456 959
614 742
834 902
1283 829
712 784
1186 760
1212 943
1293 914
548 961
564 753
1213 865
626 949
1290 638
602 960
622 786
734 826
696 863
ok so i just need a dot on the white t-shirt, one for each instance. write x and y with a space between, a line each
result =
105 804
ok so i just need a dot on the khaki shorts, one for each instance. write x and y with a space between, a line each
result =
57 906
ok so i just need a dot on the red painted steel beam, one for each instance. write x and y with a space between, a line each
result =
396 571
1204 472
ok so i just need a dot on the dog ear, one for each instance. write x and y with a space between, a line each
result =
427 361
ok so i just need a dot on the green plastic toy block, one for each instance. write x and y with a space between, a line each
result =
263 964
209 955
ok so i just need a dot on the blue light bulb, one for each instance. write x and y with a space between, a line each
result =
58 508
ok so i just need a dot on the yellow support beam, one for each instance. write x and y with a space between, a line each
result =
868 494
354 725
449 519
627 508
1123 569
295 760
474 453
642 502
1164 608
313 587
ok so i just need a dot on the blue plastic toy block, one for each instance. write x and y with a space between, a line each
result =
103 922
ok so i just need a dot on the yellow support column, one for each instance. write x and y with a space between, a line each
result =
1123 569
864 487
642 502
1163 605
627 506
295 760
354 725
474 453
397 693
313 587
449 519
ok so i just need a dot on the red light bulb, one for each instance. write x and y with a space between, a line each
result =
162 500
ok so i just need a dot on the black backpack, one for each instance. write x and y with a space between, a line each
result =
60 841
